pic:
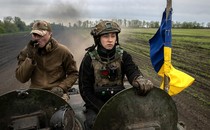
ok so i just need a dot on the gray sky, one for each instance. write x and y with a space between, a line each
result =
73 10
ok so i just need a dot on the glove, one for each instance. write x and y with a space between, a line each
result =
142 85
58 91
32 49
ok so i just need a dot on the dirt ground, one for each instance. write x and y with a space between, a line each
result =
192 111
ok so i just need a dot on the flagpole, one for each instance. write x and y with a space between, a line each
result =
168 7
166 78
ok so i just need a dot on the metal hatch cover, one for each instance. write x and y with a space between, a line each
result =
31 109
127 110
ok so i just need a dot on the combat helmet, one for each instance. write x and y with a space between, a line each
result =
105 27
101 28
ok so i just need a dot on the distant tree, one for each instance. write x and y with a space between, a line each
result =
140 24
9 26
154 24
125 22
20 24
8 19
134 23
143 24
79 23
85 24
69 24
177 24
75 25
91 23
147 24
58 26
2 27
120 22
208 25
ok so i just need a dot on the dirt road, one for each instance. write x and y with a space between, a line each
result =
192 111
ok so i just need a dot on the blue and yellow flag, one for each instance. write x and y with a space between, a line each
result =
160 55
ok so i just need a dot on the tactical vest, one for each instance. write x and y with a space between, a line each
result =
107 74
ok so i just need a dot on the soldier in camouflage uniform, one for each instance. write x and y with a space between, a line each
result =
103 69
45 62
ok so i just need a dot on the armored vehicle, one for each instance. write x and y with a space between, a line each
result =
37 109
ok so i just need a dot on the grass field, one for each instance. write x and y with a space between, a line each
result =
190 54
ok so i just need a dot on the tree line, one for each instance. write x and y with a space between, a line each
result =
142 24
13 25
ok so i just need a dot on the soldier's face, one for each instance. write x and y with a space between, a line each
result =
41 40
108 40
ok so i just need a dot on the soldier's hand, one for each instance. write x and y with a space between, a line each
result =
58 91
32 49
142 85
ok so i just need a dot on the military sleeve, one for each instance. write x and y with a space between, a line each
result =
70 67
25 67
86 84
129 67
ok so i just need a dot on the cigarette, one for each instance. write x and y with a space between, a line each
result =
36 44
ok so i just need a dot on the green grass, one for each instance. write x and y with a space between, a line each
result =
190 54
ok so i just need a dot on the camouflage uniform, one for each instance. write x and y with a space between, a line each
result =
102 71
54 64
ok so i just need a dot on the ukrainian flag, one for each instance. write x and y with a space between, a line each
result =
160 55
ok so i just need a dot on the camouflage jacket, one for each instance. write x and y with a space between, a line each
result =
54 66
